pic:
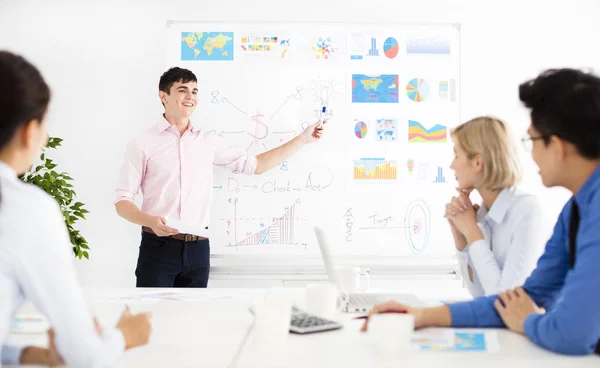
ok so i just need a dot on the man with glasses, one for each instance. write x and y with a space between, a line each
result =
558 307
528 142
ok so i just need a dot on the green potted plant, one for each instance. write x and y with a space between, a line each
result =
58 186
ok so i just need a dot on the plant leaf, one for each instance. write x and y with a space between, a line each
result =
56 185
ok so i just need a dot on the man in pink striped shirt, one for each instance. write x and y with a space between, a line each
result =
172 165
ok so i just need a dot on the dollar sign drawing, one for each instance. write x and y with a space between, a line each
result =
257 119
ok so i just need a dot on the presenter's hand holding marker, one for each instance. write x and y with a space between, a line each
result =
323 112
314 131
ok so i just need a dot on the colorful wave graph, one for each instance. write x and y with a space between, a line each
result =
428 45
374 169
418 133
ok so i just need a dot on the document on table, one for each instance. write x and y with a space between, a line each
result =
157 296
29 324
437 339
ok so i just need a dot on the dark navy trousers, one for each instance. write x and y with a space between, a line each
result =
167 262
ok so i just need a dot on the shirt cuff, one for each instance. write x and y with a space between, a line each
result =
530 323
478 248
11 355
461 314
114 338
122 197
462 256
251 165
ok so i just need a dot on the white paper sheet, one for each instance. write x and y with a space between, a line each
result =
187 228
29 324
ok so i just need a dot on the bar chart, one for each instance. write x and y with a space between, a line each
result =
440 178
373 51
375 169
282 231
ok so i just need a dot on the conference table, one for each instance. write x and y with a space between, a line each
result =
209 328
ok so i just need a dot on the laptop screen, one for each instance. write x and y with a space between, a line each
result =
327 260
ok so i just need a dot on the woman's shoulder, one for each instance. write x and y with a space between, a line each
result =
23 200
524 201
30 219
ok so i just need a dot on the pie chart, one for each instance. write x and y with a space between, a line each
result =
360 129
417 90
390 47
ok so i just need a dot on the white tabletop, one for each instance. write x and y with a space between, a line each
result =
208 331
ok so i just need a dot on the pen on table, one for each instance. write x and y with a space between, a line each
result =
391 312
127 308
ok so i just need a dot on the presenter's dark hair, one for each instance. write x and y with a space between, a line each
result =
173 75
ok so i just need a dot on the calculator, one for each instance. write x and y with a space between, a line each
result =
304 323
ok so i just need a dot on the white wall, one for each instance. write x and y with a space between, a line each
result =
103 59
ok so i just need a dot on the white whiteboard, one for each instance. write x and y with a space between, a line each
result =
260 84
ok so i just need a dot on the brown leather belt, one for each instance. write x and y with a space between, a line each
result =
184 237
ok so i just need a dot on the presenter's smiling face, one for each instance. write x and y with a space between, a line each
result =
181 101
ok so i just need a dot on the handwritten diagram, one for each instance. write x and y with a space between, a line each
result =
315 181
324 90
282 229
260 121
417 225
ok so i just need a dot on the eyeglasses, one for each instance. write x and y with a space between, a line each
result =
528 142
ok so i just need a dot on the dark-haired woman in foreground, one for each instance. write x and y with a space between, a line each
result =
36 261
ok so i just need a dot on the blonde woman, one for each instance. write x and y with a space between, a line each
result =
498 242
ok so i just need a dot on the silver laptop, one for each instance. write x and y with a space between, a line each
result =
358 302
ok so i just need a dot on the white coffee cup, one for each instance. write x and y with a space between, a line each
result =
322 299
391 333
268 341
349 278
